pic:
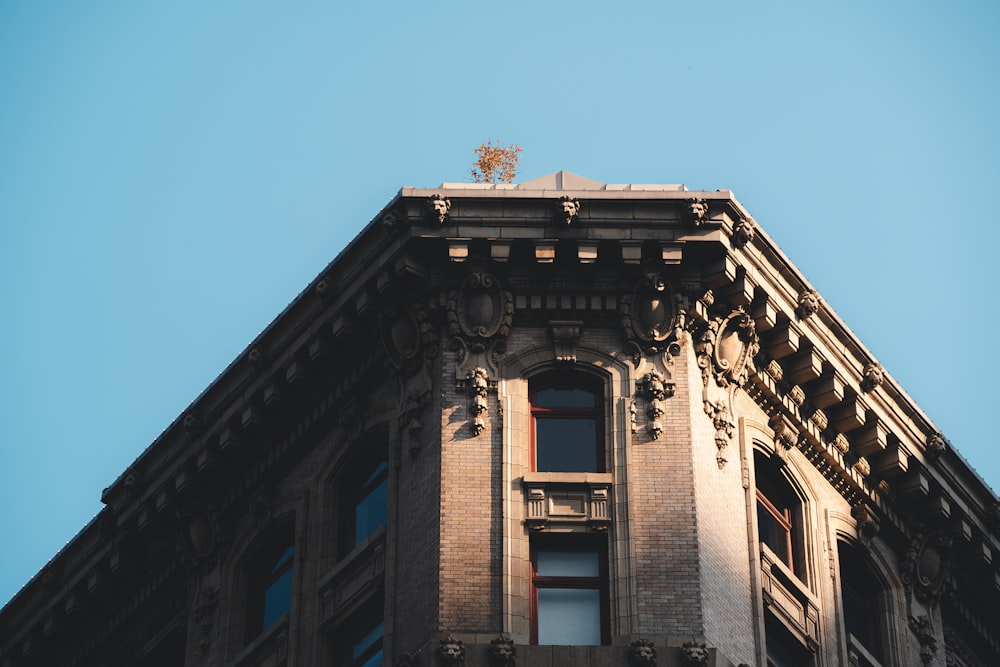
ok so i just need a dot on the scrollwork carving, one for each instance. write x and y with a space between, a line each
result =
652 319
480 314
925 565
406 332
726 348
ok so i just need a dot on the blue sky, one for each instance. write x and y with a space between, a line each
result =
172 174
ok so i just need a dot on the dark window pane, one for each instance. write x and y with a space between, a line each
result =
773 534
370 512
374 661
564 398
285 558
569 616
277 598
568 564
374 635
565 445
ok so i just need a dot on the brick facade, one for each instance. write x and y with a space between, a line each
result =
749 449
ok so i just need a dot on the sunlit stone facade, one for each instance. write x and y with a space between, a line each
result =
553 423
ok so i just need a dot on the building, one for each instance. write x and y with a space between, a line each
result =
553 423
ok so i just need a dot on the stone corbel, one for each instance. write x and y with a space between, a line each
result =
867 522
786 436
565 338
537 512
600 516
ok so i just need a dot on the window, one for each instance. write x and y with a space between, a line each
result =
777 514
364 501
358 642
567 423
569 592
270 582
860 593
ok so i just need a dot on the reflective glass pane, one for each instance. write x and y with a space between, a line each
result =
568 564
285 557
370 512
278 598
773 534
564 398
569 616
372 636
374 661
565 445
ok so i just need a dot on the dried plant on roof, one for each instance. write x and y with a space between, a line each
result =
495 164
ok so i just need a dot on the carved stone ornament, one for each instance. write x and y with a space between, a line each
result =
866 520
935 446
410 425
743 232
502 652
651 320
723 428
642 653
451 652
478 382
921 627
204 616
437 208
480 313
656 389
695 212
565 337
323 290
726 349
925 566
808 304
872 376
694 653
566 210
405 332
390 222
255 356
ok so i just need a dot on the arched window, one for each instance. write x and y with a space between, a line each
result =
567 423
270 581
861 594
778 515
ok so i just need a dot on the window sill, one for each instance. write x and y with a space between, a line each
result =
789 599
269 648
354 579
567 501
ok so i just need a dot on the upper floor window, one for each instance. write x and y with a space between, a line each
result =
364 499
569 592
778 521
567 423
860 594
270 581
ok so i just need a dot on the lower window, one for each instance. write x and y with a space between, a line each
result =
358 641
569 592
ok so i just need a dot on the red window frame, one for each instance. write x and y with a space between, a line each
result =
591 385
571 544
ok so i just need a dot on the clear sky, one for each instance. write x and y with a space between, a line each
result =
172 174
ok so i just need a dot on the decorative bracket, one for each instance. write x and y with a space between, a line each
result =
565 337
